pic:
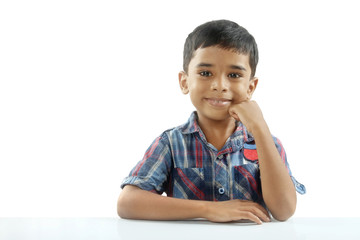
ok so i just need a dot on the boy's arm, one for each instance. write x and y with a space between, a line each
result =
135 203
277 188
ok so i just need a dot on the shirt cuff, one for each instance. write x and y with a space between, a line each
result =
144 184
300 188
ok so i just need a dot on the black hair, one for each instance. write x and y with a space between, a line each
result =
224 34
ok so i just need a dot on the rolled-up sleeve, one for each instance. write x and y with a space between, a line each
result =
152 172
300 188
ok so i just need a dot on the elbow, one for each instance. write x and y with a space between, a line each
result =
284 212
127 204
283 217
123 207
121 210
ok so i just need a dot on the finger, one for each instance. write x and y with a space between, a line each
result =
258 210
235 116
258 213
249 216
262 214
262 209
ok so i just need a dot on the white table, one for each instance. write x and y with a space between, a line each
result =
121 229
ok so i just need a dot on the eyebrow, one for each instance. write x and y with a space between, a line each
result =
204 65
237 67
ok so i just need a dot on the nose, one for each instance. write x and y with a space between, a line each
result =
220 84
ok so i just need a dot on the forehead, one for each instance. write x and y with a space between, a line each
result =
219 57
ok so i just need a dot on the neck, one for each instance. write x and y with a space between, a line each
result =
217 131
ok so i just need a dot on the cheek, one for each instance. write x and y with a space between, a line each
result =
197 88
195 96
240 94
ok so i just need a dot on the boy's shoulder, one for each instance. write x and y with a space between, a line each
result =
177 135
188 127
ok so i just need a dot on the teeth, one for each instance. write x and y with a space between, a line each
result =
218 102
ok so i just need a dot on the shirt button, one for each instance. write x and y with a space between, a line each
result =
221 191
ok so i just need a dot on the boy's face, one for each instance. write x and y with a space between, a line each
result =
216 79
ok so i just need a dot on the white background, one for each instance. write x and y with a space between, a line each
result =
86 86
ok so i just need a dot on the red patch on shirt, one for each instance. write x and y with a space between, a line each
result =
250 154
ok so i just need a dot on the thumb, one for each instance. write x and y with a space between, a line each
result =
234 115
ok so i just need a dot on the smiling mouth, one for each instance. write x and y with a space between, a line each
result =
218 102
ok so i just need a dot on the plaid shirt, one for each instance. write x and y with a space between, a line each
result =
183 164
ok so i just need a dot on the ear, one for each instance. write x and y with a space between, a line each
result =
183 82
252 86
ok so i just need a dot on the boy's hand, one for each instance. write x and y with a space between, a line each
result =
235 210
249 113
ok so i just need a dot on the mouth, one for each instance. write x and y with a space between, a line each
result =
218 102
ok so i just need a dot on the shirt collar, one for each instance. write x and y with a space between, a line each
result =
191 126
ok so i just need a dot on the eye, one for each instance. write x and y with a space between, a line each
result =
205 74
234 75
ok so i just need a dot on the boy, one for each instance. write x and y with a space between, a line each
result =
210 167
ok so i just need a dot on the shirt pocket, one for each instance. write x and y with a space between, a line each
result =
189 183
247 184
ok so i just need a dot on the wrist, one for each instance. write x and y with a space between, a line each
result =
205 209
256 128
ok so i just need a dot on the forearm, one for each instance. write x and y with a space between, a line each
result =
135 203
277 188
